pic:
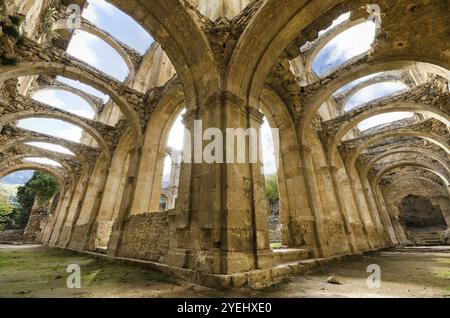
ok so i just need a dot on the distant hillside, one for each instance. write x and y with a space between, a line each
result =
10 191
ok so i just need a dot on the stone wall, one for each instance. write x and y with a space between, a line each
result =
11 236
419 212
146 236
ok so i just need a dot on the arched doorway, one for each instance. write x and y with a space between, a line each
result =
424 222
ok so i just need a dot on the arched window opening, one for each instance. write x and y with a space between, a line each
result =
124 28
424 222
356 82
272 193
383 119
341 19
65 101
172 162
98 54
373 92
43 161
51 147
52 127
343 47
83 87
22 194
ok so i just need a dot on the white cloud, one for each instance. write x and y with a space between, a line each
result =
345 46
65 101
342 18
383 119
44 161
51 147
373 92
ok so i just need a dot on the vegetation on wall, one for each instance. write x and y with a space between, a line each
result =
10 34
41 187
272 189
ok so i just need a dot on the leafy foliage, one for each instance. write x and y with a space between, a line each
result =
272 189
5 210
41 187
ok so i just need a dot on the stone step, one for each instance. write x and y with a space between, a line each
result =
101 250
286 255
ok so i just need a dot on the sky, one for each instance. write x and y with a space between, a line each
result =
343 47
99 54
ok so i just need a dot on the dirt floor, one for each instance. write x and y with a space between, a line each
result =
36 271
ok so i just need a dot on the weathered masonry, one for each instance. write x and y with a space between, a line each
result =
230 63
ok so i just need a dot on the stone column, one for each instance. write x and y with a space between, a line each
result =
339 196
175 156
359 210
379 200
296 216
38 212
444 204
313 193
89 244
85 185
126 202
220 221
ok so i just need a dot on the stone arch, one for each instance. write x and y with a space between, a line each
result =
15 158
368 83
72 119
326 38
442 142
112 194
358 117
49 68
70 90
148 187
361 69
110 40
423 151
35 166
260 45
46 139
290 182
420 165
177 27
431 182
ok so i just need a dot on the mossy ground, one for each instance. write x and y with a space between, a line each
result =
41 272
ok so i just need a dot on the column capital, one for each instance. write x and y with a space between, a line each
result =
255 114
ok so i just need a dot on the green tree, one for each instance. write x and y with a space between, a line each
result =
272 189
41 186
5 211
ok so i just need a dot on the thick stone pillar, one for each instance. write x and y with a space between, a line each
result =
359 211
89 244
444 204
220 221
344 215
379 200
125 203
35 225
84 188
315 203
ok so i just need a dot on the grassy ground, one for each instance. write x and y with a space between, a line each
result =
41 272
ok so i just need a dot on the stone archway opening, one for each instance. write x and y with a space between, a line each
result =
424 221
172 164
272 185
28 198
